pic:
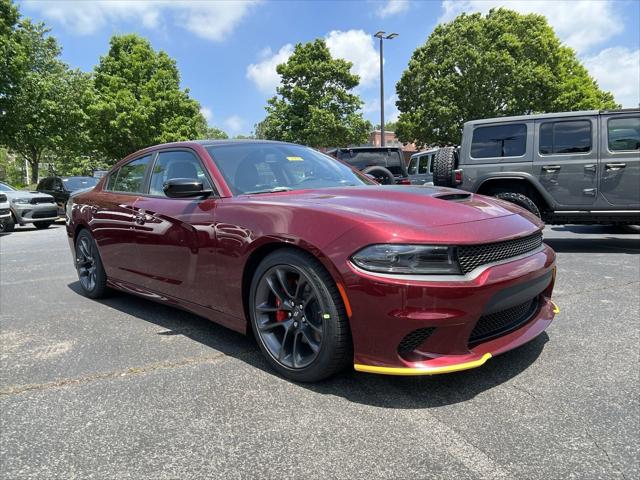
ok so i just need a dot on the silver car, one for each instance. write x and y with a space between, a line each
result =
28 207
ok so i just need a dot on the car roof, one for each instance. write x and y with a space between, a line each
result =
234 141
538 116
422 152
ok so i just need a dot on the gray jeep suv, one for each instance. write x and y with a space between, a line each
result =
575 167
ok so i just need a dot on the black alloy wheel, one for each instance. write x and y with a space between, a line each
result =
298 317
89 266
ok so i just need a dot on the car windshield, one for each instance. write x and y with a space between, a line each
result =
263 167
6 188
77 183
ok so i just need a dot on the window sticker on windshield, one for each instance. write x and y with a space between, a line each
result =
295 159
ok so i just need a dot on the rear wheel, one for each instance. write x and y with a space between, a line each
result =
298 317
520 200
93 279
42 225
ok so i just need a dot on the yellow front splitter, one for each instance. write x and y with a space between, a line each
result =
422 371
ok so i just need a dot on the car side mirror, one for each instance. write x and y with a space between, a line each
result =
184 188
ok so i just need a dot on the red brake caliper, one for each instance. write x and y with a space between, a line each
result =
281 315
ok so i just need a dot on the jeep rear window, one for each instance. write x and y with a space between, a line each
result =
624 134
565 137
361 159
499 141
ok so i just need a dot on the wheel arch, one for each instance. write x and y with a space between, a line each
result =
266 248
516 183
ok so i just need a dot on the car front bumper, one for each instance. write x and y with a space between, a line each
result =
29 213
440 319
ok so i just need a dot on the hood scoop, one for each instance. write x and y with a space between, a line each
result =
453 197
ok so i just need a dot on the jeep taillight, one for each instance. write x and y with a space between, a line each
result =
457 176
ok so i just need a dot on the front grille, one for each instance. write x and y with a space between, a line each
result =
3 197
37 200
499 323
472 256
45 214
414 339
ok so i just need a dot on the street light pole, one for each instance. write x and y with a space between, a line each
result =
381 36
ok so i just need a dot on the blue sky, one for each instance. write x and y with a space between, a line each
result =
227 50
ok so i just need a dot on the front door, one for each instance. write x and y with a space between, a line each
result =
620 159
566 160
176 236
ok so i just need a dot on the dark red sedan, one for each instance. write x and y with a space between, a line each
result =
325 267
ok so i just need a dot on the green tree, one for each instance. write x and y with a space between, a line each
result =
9 66
138 100
42 107
213 133
496 65
314 105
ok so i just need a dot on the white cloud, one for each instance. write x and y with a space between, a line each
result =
234 124
356 46
211 20
207 114
392 7
617 70
581 24
263 73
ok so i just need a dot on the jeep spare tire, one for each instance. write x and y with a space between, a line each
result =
380 174
521 200
444 163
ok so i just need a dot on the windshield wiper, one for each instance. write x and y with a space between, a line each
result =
271 190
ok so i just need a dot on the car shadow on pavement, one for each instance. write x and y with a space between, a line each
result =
368 389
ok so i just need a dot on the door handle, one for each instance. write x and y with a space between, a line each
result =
589 192
590 168
551 168
614 166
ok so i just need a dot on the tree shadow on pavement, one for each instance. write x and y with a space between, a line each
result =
368 389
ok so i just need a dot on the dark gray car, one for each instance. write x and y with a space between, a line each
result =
574 167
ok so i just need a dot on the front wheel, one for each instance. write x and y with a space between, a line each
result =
93 279
8 225
42 225
298 317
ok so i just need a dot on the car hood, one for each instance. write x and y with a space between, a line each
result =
417 205
25 194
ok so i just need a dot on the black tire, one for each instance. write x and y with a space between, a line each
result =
521 200
91 274
381 174
8 225
444 163
42 225
323 311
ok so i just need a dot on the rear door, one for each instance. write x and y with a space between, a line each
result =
114 218
620 159
176 236
566 159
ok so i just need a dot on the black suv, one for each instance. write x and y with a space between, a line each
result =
385 164
61 187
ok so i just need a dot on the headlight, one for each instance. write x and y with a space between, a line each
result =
408 259
21 201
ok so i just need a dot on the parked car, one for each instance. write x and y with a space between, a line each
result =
5 212
420 167
385 164
323 265
61 187
572 167
29 207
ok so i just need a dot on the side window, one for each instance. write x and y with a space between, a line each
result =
431 157
131 176
509 140
176 164
624 134
565 137
413 166
111 181
424 165
57 184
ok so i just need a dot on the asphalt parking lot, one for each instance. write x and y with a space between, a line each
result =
125 388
